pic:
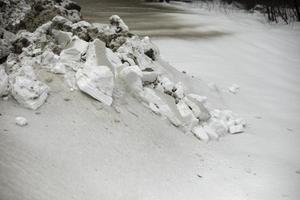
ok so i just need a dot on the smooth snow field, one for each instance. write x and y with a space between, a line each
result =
75 147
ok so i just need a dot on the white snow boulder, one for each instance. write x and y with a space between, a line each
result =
97 81
132 76
3 81
29 93
21 121
190 121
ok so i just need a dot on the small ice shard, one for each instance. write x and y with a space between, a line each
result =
200 133
97 81
29 93
236 129
234 88
21 121
3 81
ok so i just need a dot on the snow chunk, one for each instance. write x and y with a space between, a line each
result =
21 121
236 129
200 133
71 56
187 115
234 88
132 76
29 93
96 54
198 108
118 24
97 81
63 38
149 76
158 106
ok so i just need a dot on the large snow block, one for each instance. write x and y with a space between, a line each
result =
97 81
29 93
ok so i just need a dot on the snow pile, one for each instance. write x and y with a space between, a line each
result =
96 58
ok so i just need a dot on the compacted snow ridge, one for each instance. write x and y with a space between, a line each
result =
100 59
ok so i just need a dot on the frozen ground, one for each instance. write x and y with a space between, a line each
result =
85 150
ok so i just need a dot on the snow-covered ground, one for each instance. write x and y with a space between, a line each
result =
77 148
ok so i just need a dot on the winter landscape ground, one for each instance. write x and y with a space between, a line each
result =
75 147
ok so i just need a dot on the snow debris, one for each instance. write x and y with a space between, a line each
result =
97 81
21 121
234 88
